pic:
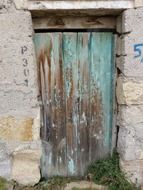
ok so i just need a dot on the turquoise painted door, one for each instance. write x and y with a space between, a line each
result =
76 88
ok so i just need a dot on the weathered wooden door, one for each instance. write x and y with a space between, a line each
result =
76 81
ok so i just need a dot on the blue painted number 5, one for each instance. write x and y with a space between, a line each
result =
137 49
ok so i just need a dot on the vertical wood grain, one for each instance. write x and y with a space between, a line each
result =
53 132
101 77
83 101
71 84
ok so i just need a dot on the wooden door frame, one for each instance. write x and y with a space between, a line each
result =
65 23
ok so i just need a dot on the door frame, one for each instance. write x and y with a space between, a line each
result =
84 24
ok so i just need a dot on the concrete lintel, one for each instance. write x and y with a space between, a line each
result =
80 5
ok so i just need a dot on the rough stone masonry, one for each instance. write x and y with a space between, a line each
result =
130 93
20 147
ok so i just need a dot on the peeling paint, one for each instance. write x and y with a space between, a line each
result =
71 166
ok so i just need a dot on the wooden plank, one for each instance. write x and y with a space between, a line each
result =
74 22
96 130
83 102
41 43
107 45
71 83
58 133
100 94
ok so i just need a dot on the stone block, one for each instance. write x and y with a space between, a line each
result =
10 150
18 81
6 5
5 162
16 101
130 138
21 4
138 3
126 45
16 128
130 43
128 21
131 20
130 67
18 146
133 170
129 91
129 145
130 116
84 185
25 167
18 25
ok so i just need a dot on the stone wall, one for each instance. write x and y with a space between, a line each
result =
19 112
130 93
20 146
